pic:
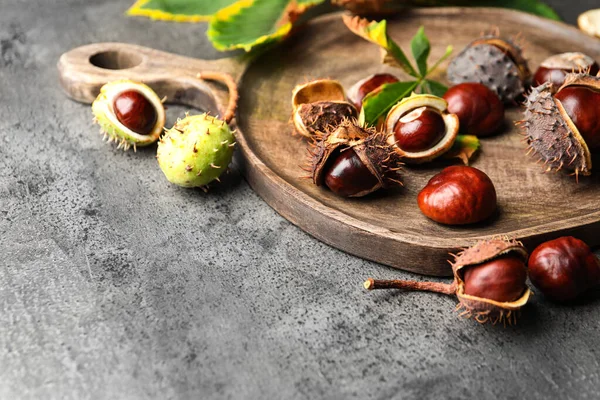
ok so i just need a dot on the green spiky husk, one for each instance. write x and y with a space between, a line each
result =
196 151
112 129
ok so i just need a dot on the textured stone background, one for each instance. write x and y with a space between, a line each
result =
116 284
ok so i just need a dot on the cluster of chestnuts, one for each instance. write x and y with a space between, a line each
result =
490 278
195 152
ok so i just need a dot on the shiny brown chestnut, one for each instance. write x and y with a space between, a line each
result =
348 175
135 111
502 279
554 69
458 195
419 130
362 88
582 105
478 108
564 268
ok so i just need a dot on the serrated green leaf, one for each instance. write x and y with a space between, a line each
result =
420 48
377 104
178 10
436 88
250 23
464 148
376 32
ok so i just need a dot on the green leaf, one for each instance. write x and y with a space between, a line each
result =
420 48
376 32
377 104
250 23
435 88
464 148
178 10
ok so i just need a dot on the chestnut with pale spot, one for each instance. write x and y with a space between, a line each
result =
419 130
135 111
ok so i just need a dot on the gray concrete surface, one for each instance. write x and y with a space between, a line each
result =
116 284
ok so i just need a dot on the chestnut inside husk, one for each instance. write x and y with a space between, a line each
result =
489 281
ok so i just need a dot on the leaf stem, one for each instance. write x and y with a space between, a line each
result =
437 287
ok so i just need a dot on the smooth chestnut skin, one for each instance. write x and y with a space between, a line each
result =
502 279
564 268
478 108
458 195
347 175
135 111
372 84
419 130
583 106
557 76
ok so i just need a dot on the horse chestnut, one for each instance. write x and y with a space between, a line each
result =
564 268
362 88
554 69
135 111
502 279
348 175
489 281
478 108
419 130
582 105
458 195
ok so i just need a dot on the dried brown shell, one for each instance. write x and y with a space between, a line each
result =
319 105
411 103
368 144
551 134
321 116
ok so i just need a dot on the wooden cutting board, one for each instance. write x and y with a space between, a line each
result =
386 227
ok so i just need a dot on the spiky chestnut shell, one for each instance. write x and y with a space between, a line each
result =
114 124
495 62
417 102
368 145
318 106
485 309
551 134
196 151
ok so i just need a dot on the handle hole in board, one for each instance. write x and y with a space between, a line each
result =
116 60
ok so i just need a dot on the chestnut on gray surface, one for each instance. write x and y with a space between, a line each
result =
563 269
489 281
135 111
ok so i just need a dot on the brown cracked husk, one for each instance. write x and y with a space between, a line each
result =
494 62
321 116
319 106
550 133
368 144
481 309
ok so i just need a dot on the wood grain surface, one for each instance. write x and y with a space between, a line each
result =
386 227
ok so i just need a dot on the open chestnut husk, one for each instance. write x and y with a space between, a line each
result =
494 62
353 161
370 84
477 107
563 269
555 68
489 281
562 129
318 106
420 128
458 195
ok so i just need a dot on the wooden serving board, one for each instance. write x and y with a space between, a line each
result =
386 227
